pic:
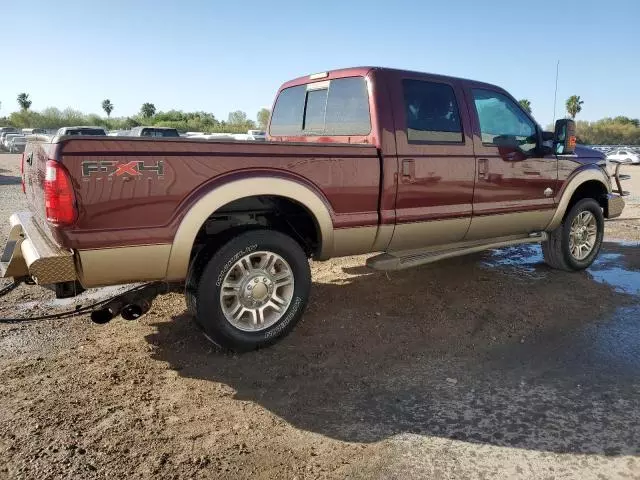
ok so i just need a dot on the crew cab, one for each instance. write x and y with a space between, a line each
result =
416 167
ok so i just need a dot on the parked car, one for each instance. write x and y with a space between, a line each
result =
624 155
257 135
7 139
99 131
17 144
8 130
5 132
163 132
414 166
33 131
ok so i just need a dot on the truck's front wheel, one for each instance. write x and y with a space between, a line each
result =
575 244
253 290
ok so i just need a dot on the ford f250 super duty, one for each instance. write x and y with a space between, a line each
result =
417 167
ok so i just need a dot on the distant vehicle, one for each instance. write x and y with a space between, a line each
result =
98 131
17 144
118 133
9 130
624 155
33 131
163 132
258 135
7 139
4 134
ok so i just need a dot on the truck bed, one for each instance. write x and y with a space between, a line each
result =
134 191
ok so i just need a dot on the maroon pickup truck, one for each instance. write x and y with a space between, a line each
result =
417 167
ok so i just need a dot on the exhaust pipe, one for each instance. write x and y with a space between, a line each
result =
130 306
104 315
135 310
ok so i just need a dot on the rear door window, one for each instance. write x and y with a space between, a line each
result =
336 107
431 112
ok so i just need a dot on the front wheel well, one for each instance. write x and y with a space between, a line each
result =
590 189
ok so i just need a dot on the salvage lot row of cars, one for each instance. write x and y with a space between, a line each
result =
14 140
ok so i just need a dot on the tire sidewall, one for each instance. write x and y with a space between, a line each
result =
209 313
583 205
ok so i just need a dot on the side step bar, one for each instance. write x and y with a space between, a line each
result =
413 258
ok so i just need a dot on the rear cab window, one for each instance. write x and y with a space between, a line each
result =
337 107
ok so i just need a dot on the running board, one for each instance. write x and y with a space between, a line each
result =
414 258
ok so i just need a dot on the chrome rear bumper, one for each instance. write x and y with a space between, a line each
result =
30 252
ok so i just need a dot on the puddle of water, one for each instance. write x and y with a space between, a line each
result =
608 269
525 261
519 261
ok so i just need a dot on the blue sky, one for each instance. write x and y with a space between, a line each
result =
219 56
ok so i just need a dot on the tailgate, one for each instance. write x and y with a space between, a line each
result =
37 151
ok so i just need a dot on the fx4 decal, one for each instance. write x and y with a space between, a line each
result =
111 168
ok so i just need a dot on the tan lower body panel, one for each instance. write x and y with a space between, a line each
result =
492 226
112 266
422 234
358 240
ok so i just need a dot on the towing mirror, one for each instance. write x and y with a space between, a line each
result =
564 142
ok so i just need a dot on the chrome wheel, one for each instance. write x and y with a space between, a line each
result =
583 234
257 291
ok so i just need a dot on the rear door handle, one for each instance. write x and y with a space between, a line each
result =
408 170
482 167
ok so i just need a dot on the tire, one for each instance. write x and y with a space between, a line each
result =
557 250
278 305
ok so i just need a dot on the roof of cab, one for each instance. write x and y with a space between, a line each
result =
363 71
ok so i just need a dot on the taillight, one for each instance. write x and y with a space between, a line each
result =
59 198
24 189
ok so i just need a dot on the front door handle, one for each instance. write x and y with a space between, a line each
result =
408 170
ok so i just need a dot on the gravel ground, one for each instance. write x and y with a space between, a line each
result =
488 366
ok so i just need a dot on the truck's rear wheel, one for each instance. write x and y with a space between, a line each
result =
575 244
252 291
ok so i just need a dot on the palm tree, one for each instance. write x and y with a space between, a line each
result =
148 110
574 105
24 102
526 104
107 106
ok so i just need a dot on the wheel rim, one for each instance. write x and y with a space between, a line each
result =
583 234
257 291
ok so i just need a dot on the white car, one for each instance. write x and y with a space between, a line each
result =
7 139
624 155
17 144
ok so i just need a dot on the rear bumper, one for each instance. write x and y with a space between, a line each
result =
30 252
615 205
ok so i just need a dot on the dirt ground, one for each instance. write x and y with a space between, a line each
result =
488 366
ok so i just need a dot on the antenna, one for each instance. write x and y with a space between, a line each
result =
555 95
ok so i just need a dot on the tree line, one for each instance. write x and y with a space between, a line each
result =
607 131
52 118
618 130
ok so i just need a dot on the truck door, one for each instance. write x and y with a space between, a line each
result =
515 185
436 166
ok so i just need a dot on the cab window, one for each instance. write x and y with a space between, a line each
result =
431 112
335 107
503 122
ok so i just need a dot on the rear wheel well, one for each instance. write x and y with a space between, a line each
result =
262 211
590 189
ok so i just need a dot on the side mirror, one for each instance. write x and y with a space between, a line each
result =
564 140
